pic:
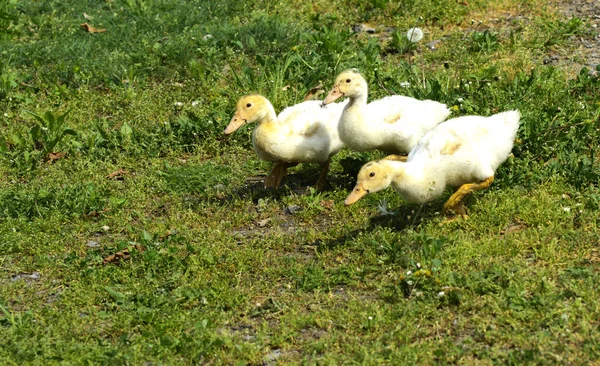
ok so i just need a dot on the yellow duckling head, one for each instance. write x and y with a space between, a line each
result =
250 108
348 84
373 177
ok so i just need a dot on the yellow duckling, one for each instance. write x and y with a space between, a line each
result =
393 124
303 133
462 152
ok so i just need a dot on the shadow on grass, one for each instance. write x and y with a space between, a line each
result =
407 217
298 182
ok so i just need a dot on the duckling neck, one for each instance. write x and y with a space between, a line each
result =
353 128
267 123
266 132
270 116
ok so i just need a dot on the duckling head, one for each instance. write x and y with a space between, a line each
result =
373 177
250 108
348 84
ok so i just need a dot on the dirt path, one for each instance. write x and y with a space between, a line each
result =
587 53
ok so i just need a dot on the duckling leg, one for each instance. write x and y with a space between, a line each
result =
277 174
322 182
455 203
396 157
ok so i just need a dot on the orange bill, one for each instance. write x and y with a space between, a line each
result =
235 123
357 193
333 95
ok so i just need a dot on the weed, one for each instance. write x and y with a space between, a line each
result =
36 145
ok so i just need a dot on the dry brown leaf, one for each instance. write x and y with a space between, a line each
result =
52 157
167 234
91 29
96 213
264 222
123 254
118 174
594 256
513 228
115 258
314 92
327 204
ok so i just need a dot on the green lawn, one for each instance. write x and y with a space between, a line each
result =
132 231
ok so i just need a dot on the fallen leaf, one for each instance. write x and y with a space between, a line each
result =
594 256
52 157
314 92
285 88
115 258
123 254
91 29
118 174
96 213
263 223
327 204
167 234
513 228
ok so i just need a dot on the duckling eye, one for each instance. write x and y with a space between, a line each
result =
348 81
372 174
248 105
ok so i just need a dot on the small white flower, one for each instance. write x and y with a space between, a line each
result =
195 103
408 273
460 100
567 209
418 265
105 227
178 104
414 34
409 283
488 84
370 318
404 84
441 294
5 114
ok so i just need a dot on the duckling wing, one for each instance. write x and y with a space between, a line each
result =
407 119
486 140
303 119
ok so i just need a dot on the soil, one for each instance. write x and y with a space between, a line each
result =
587 53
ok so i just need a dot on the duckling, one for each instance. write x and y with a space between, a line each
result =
394 124
462 152
303 133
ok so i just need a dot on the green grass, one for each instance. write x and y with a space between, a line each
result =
219 272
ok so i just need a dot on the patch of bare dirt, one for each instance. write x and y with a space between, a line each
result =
588 47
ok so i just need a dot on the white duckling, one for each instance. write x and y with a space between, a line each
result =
462 152
394 124
303 133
